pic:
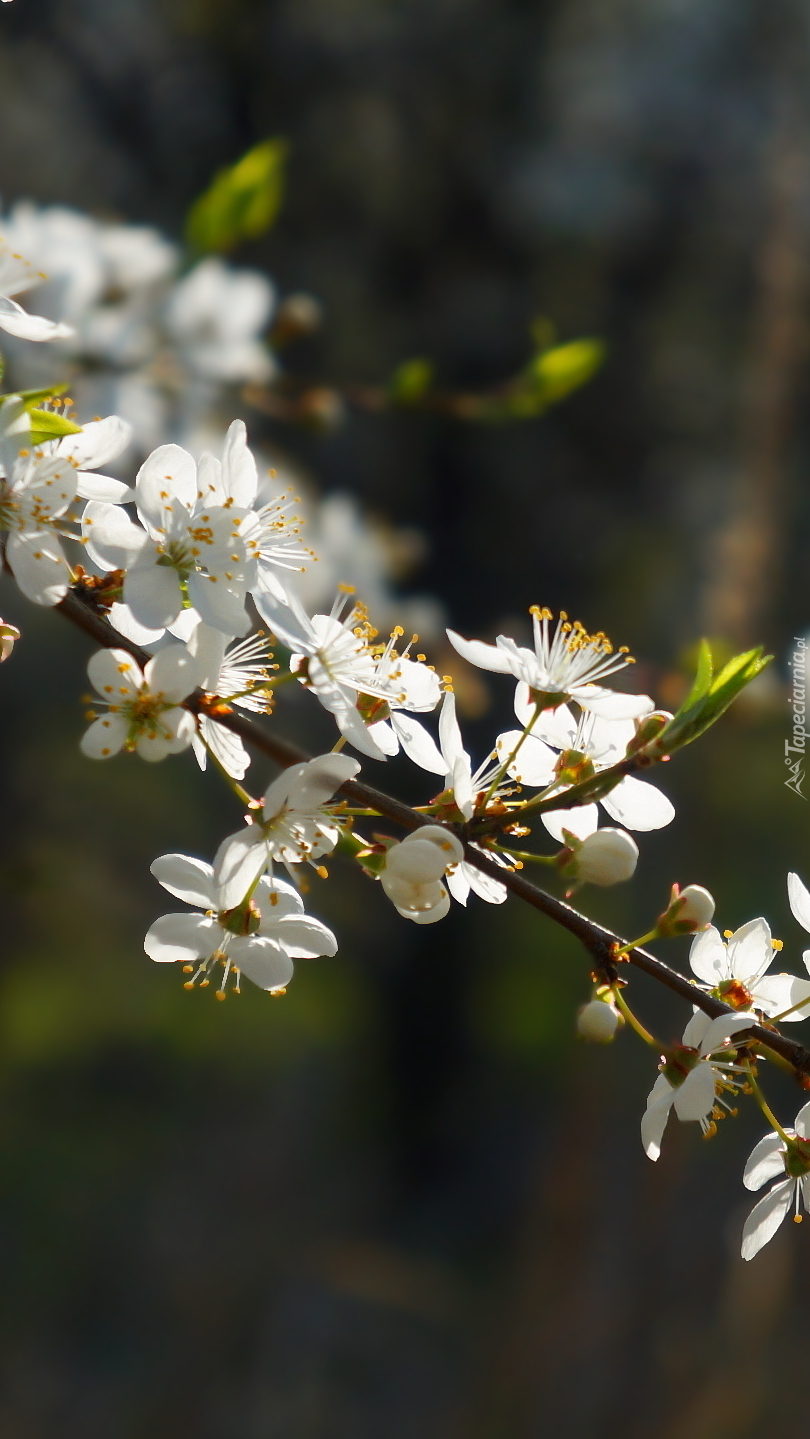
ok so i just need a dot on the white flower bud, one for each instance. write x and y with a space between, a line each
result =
598 1022
608 856
689 910
413 871
417 861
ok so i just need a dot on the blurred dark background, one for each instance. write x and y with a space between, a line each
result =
404 1200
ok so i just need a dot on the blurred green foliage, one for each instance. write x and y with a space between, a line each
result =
242 201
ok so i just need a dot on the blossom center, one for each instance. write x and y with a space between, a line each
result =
734 992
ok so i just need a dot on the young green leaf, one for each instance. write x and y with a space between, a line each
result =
241 202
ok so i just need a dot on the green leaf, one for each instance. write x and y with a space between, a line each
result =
709 697
703 675
556 373
411 380
241 202
37 397
45 425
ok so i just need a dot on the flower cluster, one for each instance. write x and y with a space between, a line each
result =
200 548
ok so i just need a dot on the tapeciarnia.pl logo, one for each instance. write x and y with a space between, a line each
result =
797 744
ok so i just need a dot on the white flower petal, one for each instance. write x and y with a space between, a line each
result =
113 541
182 938
239 477
696 1029
220 602
765 1218
483 656
799 898
708 957
418 745
114 674
750 951
724 1027
766 1161
654 1119
173 672
638 805
581 822
226 747
485 887
99 442
534 763
16 321
775 993
694 1099
610 704
304 937
104 738
153 591
802 1125
39 566
262 961
315 783
186 878
238 862
168 474
103 489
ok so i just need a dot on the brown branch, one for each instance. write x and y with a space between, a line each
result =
600 943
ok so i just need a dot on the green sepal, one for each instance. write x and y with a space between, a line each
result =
241 202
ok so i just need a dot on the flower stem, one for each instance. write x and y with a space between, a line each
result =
503 769
241 793
765 1107
621 1003
637 943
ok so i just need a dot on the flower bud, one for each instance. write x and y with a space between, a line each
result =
413 871
8 635
599 1021
688 911
608 856
648 728
419 862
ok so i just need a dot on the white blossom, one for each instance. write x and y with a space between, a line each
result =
237 674
295 825
333 656
187 546
735 972
215 316
259 938
564 665
560 750
773 1158
38 485
694 1075
467 787
142 709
